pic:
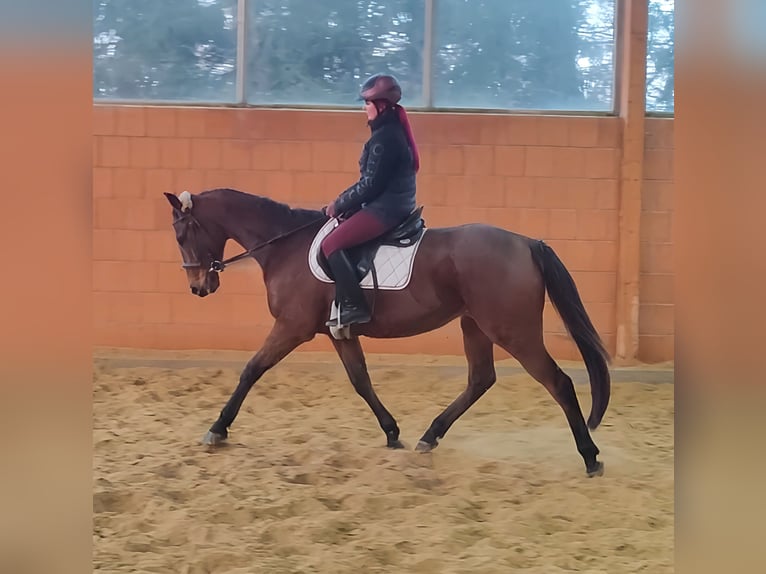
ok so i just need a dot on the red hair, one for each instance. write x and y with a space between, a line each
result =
410 136
383 105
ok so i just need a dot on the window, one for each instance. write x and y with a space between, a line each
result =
310 52
660 87
536 55
165 50
524 54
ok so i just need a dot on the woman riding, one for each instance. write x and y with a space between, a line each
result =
383 196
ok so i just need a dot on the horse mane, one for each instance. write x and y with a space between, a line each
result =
277 212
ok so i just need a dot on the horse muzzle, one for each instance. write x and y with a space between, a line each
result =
200 291
207 286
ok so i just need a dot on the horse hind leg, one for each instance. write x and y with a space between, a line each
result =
534 357
481 376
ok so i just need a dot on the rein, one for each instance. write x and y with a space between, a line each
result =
219 266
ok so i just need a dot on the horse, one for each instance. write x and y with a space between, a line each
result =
493 280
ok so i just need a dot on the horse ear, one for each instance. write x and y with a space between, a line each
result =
174 201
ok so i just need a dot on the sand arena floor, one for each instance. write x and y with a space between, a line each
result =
306 484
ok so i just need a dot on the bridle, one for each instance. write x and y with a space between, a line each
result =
217 265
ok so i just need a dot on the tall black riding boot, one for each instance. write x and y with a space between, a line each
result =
350 296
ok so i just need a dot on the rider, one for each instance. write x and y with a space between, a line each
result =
383 196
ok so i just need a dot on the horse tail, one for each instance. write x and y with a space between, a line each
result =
566 300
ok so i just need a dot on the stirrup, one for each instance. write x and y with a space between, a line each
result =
359 316
335 322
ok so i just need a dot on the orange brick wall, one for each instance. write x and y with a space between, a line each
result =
656 285
556 178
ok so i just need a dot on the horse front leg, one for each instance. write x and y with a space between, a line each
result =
352 356
282 340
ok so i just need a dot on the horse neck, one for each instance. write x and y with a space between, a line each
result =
252 221
250 228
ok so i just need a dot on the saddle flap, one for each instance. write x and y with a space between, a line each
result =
405 236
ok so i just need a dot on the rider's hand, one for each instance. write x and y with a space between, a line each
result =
330 210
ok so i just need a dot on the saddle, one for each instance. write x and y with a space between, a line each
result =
363 256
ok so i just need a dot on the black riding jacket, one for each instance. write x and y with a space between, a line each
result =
387 183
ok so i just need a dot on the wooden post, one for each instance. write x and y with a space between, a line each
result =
631 98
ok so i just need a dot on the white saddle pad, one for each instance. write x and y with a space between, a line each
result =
393 265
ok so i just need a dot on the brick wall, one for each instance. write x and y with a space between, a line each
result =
656 308
556 178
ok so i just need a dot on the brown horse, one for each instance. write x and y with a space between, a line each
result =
492 279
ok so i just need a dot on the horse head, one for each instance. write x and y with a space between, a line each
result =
201 242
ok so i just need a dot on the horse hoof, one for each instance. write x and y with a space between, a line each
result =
423 446
395 444
597 470
213 439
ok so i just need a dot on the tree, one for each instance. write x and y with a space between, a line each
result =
660 64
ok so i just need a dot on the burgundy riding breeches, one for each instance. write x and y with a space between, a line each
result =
359 228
